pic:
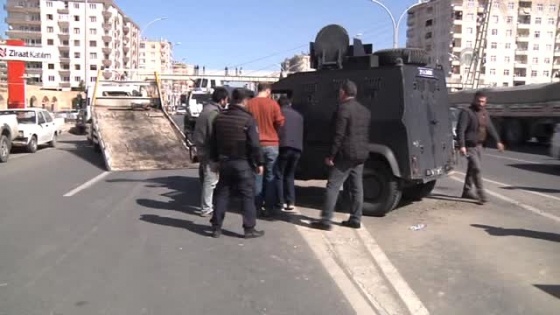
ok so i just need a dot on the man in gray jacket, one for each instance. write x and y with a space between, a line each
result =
201 137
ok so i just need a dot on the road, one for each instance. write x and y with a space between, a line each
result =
129 243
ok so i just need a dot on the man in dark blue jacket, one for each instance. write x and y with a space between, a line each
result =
291 145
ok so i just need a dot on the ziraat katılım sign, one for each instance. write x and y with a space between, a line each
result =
23 53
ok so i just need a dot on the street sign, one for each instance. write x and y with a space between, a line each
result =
23 53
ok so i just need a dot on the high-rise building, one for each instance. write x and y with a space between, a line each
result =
156 55
297 63
85 36
522 41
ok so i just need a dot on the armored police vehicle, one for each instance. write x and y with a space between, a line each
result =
411 138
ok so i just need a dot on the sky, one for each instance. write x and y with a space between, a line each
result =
258 34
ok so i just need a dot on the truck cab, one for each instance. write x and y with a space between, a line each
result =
411 139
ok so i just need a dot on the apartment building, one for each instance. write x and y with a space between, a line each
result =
84 38
156 55
522 46
297 63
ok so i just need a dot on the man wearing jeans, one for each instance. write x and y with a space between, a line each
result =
269 119
201 136
348 153
291 145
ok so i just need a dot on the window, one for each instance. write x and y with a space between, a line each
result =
495 18
549 47
492 71
535 60
76 43
470 30
552 8
92 43
50 29
507 59
93 55
93 67
50 66
93 19
66 79
536 47
509 33
76 5
508 45
51 78
92 79
540 7
49 5
77 67
76 55
551 21
534 73
495 32
76 31
48 117
506 72
92 6
511 5
65 43
50 42
550 34
77 79
493 58
546 73
537 34
509 19
538 20
546 60
92 31
76 18
50 17
493 45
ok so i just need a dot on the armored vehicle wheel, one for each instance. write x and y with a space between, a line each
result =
409 56
381 189
417 192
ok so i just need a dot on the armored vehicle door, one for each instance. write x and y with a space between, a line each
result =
430 138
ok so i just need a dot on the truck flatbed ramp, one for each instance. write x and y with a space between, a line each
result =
132 130
140 140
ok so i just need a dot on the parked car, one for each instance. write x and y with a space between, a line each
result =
36 127
8 132
555 143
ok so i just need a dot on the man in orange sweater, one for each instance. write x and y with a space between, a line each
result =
269 118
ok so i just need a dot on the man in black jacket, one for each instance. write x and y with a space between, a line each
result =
291 145
236 152
348 153
473 126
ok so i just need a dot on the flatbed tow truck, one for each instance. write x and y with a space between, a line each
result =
131 128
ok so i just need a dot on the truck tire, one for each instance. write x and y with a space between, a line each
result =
4 149
32 145
418 192
409 56
382 192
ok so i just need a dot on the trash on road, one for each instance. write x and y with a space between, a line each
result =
417 227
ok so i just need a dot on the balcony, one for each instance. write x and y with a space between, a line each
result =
126 30
107 63
22 21
63 36
63 23
65 85
15 7
34 71
64 59
126 40
107 15
106 26
64 48
64 72
107 50
126 49
63 11
107 75
106 38
126 59
557 53
23 34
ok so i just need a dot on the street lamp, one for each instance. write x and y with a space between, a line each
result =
396 23
140 37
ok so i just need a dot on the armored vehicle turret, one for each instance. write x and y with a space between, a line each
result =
411 139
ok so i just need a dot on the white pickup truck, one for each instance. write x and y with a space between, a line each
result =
36 127
8 132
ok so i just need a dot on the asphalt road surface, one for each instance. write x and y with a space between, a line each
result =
75 239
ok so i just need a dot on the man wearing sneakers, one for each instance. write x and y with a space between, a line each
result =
348 153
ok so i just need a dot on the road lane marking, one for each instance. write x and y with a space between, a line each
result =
512 159
508 185
515 202
410 299
87 184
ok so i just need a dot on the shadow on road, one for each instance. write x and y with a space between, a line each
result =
498 231
550 169
451 198
553 290
83 150
204 230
